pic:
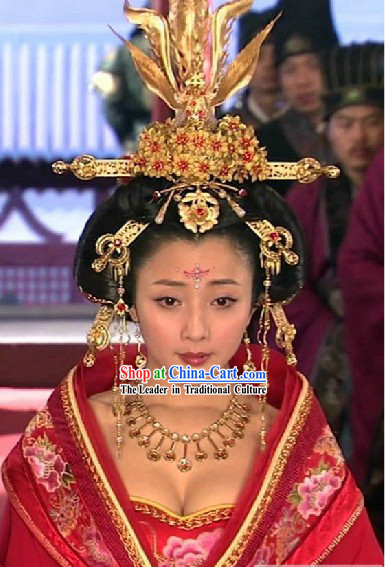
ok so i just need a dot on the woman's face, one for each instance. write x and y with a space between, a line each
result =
193 303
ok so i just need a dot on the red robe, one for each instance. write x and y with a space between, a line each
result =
300 505
312 317
361 274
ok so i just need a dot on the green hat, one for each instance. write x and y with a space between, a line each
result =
306 26
354 75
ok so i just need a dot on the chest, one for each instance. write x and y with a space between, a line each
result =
210 482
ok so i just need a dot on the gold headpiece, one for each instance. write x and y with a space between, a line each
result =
192 149
198 155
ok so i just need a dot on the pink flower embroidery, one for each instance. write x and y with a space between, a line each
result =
95 546
315 493
189 552
47 466
263 556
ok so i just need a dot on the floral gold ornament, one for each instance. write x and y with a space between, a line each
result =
231 152
275 242
285 332
199 211
113 249
98 337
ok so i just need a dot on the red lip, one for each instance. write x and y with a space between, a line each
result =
194 358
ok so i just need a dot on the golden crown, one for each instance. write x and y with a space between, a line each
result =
199 155
193 147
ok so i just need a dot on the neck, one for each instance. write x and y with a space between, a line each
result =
265 100
355 177
315 118
185 398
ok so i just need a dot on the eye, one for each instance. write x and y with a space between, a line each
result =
167 301
224 302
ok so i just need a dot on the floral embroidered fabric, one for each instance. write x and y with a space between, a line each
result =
64 487
58 486
181 541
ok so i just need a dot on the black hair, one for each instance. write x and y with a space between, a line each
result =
134 201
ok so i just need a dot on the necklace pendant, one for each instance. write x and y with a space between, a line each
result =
200 456
184 464
221 454
154 454
244 417
237 434
134 433
170 455
144 441
229 441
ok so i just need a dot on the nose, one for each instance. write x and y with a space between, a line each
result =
196 326
302 79
359 131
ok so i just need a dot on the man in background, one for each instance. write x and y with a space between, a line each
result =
361 275
354 113
261 101
303 32
126 100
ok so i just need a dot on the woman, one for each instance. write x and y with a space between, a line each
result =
99 478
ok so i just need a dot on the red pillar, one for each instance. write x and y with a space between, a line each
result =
160 111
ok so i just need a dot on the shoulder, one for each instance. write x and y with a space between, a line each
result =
270 128
303 198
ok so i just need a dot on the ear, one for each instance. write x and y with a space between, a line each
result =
253 310
133 314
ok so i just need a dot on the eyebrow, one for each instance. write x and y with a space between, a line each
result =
175 283
225 281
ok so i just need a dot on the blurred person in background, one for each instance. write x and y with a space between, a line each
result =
304 31
354 112
126 100
261 102
361 276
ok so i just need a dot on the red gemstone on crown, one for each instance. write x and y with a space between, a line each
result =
121 307
200 212
274 235
117 242
159 165
183 165
243 193
156 195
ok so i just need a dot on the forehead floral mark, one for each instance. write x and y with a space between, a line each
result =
197 274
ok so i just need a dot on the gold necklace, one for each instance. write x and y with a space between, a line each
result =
138 418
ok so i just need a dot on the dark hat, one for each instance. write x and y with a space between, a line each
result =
354 75
305 27
253 22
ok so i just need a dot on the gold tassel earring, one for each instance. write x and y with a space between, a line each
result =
117 402
248 365
120 309
140 359
275 244
264 326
